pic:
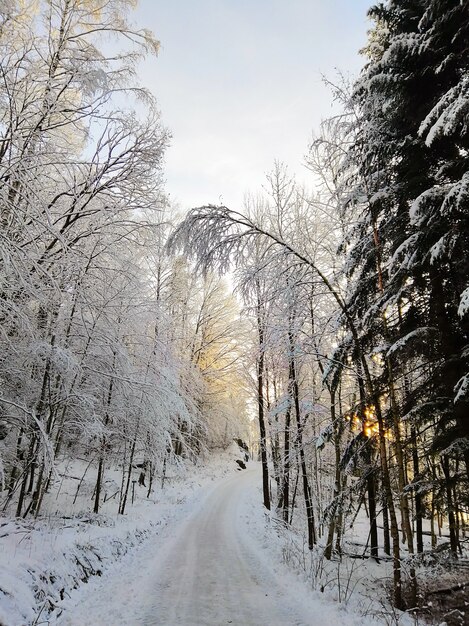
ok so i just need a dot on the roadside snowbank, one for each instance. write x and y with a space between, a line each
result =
351 593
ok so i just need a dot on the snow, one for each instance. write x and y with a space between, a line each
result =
44 560
216 564
380 196
425 202
323 590
457 196
419 333
461 388
464 303
449 112
203 551
440 247
405 44
403 255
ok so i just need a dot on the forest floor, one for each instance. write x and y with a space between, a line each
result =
208 568
44 561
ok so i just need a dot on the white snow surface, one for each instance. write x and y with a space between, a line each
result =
212 565
42 561
447 114
461 388
419 333
202 551
464 303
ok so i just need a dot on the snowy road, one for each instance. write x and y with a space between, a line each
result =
206 571
209 574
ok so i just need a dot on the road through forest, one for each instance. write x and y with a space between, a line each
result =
206 572
210 574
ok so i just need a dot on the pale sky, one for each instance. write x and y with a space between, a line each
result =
239 85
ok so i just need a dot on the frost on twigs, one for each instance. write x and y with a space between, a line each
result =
215 236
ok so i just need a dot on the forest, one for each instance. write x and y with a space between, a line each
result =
327 327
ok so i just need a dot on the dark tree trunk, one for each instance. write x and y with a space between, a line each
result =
285 494
295 392
419 509
129 472
453 538
260 404
386 536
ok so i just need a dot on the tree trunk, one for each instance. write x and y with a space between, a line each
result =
394 528
99 477
337 480
387 539
285 493
99 480
296 403
419 509
453 538
370 478
260 403
129 474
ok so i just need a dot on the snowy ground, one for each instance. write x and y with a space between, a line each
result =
42 561
202 552
209 567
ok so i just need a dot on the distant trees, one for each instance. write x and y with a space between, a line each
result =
279 261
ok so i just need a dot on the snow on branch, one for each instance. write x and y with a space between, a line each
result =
48 448
215 235
449 115
462 388
219 237
464 303
420 334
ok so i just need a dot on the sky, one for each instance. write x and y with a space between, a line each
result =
239 85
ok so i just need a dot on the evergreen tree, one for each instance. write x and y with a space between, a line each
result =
412 159
407 175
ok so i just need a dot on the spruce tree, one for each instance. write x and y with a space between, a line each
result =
408 253
411 247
